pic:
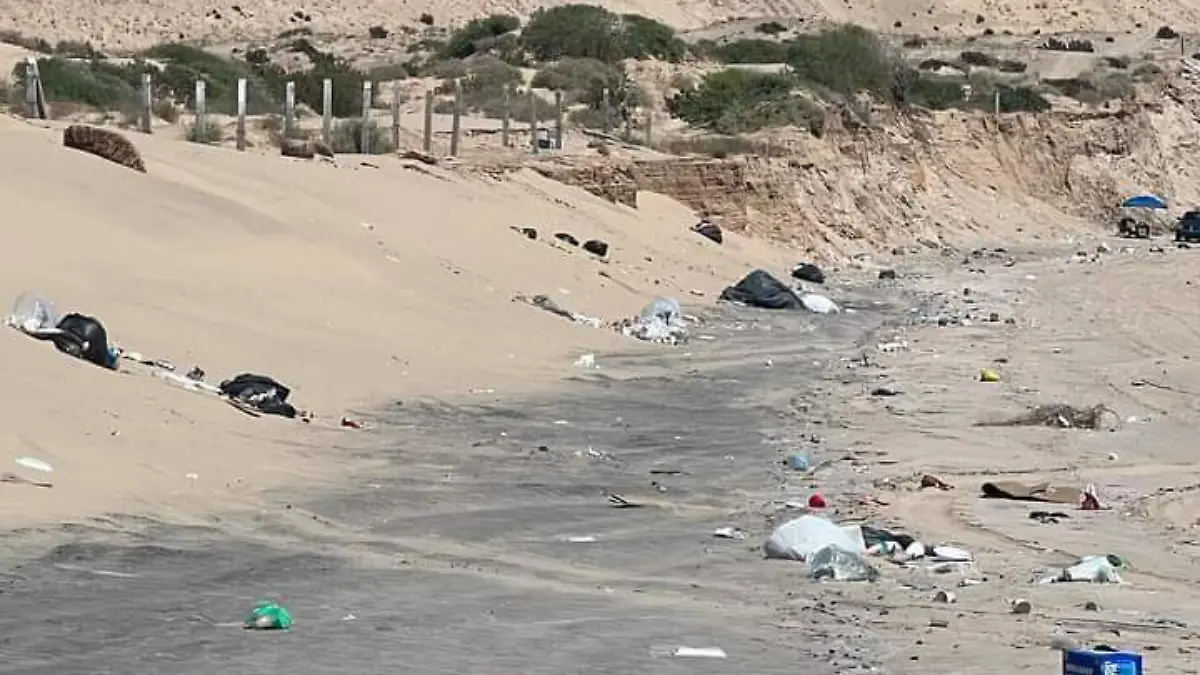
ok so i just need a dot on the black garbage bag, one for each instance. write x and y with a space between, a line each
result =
84 338
261 393
808 272
760 289
709 231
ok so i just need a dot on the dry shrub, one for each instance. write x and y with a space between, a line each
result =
1060 415
104 143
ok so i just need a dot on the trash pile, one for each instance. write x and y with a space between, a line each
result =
1063 416
85 337
762 290
840 552
660 321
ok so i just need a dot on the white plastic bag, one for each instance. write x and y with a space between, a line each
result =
800 538
834 562
819 304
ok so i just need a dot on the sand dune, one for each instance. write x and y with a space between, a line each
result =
350 283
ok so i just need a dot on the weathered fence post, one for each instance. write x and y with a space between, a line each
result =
606 110
533 122
289 109
558 120
365 141
241 113
504 120
427 141
327 111
456 119
649 128
199 130
395 115
32 77
147 93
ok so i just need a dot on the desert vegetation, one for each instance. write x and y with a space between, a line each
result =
582 51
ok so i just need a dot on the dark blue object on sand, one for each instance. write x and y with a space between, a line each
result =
1088 662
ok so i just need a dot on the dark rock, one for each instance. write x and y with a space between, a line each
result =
566 237
887 274
528 232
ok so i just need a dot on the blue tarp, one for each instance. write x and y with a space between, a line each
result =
1144 202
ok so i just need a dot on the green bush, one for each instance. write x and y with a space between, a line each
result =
845 60
978 59
209 134
770 28
588 31
484 81
751 51
935 93
579 79
467 40
88 82
1021 99
734 100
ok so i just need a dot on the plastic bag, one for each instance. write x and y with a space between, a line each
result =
659 321
32 313
835 562
800 538
819 304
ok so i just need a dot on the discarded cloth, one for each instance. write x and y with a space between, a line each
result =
261 393
1036 492
1100 569
760 289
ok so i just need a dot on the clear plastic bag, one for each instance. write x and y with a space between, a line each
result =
32 313
835 562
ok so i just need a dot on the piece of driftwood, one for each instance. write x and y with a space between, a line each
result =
104 143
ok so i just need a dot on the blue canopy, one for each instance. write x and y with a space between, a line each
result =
1144 202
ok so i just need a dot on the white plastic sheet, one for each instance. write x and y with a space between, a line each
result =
800 538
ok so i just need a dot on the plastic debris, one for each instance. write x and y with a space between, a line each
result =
835 562
268 616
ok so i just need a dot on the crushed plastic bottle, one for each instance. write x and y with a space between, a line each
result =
835 562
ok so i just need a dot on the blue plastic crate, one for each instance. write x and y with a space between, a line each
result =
1086 662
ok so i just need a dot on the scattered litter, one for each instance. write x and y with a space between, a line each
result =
1036 492
760 289
1062 416
268 616
700 652
817 501
660 321
989 375
34 463
584 539
1048 517
596 247
1020 606
802 537
835 562
189 383
931 481
819 304
1092 568
800 461
1089 500
887 274
546 303
950 554
586 361
618 502
945 597
886 391
808 272
260 394
709 231
13 478
729 533
351 424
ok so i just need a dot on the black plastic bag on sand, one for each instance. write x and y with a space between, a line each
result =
84 338
261 393
760 289
808 272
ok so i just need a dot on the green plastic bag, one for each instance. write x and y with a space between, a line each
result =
269 616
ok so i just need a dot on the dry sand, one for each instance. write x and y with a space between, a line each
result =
349 283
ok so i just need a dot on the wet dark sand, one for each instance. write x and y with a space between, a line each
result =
452 554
